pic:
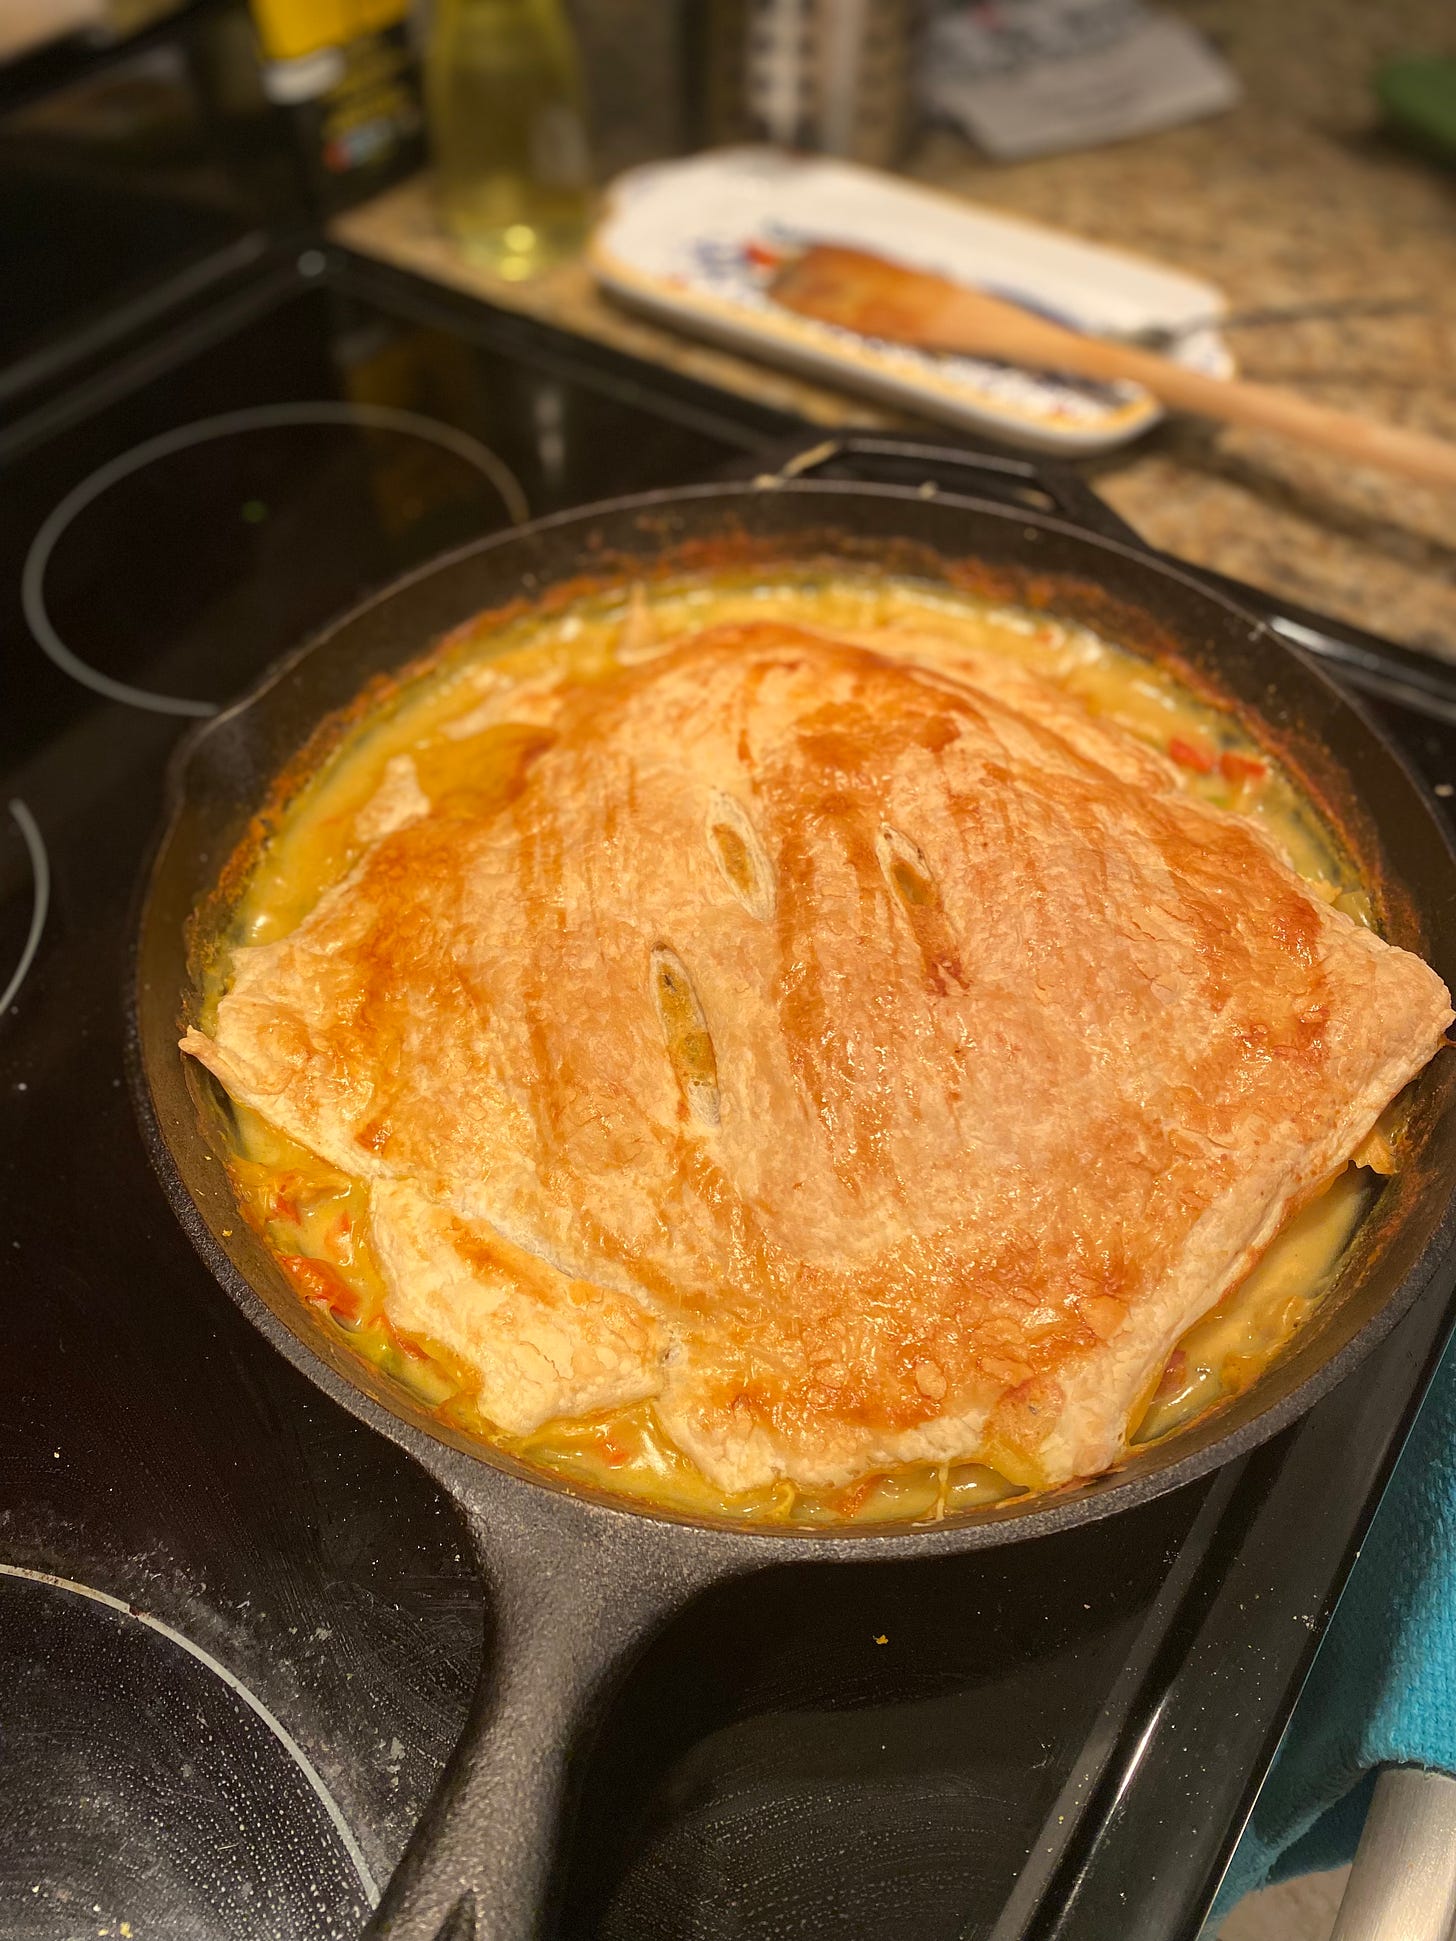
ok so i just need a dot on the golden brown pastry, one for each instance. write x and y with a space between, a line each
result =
854 1046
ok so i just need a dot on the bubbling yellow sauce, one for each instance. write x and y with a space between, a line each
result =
314 1218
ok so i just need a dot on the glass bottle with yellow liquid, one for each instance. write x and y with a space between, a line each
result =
503 87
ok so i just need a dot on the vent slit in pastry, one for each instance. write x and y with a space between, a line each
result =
740 855
685 1030
905 869
912 884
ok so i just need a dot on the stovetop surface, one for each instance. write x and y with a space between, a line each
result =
238 1631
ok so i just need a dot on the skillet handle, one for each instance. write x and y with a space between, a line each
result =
576 1593
922 458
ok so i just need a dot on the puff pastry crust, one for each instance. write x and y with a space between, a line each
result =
853 1045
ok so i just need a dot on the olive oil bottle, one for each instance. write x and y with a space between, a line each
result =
504 97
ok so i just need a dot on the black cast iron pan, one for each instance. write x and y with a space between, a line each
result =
580 1581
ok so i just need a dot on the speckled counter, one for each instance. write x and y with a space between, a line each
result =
1292 197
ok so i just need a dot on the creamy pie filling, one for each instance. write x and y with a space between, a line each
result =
441 738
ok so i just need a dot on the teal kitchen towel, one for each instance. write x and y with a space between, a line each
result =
1382 1691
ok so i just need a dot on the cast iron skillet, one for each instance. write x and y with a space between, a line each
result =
580 1580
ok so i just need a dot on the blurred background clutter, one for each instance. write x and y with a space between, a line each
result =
1294 159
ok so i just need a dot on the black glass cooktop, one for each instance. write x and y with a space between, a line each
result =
238 1632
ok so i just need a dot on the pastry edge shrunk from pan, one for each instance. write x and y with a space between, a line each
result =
850 1044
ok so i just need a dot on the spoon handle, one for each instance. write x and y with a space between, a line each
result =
969 322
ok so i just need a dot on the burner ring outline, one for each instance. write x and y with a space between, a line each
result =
40 897
267 417
234 1684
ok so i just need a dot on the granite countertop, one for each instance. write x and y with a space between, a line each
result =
1293 196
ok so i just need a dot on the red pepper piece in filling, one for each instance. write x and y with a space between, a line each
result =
1242 768
339 1239
316 1281
1197 755
285 1202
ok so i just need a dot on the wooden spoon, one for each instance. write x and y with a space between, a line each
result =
878 298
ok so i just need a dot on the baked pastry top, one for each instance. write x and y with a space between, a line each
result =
854 1046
